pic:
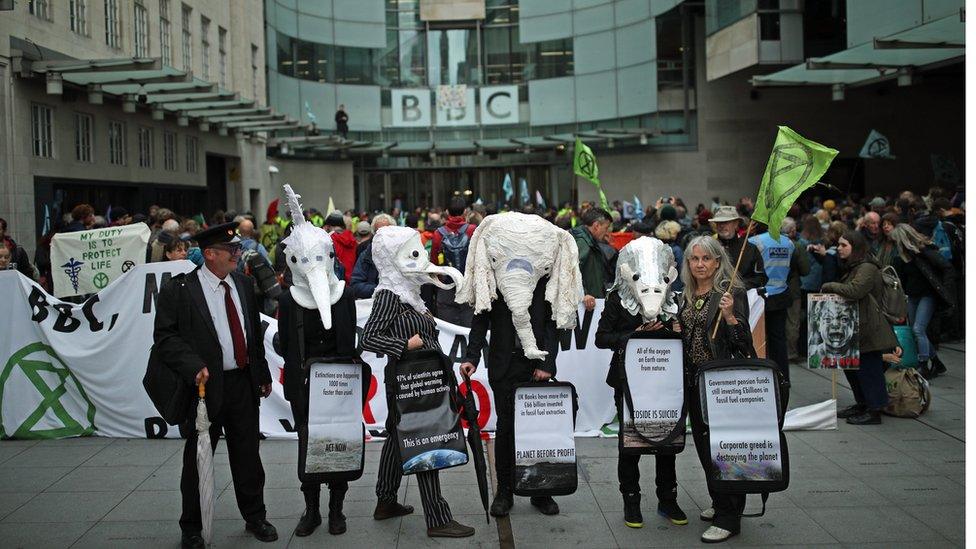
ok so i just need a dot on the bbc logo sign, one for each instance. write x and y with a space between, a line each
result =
414 108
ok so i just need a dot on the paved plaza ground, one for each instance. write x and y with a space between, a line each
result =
900 484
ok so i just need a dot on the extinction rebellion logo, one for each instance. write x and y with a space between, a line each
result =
54 404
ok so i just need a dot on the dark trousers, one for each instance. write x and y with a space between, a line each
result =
502 386
436 510
776 349
868 381
628 470
728 507
238 419
299 412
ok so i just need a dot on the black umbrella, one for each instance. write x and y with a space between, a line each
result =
474 442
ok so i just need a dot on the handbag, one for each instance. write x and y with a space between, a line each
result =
740 421
339 453
666 421
544 433
426 410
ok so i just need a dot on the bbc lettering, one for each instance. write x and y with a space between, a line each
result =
412 108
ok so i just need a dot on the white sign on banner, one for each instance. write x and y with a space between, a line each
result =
544 444
410 108
499 105
655 377
335 418
743 423
85 262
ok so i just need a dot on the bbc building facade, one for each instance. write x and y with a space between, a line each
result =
675 97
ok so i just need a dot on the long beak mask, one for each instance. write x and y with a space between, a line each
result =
311 258
413 261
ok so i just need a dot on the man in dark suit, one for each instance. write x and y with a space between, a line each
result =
508 365
208 330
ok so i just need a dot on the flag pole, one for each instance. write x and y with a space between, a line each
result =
833 383
734 272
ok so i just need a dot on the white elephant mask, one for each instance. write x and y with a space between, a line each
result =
645 271
404 265
510 253
311 258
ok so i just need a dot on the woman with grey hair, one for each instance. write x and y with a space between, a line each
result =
708 289
929 283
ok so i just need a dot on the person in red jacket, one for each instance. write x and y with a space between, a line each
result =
344 242
449 246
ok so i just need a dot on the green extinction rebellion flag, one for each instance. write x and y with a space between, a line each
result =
795 165
584 165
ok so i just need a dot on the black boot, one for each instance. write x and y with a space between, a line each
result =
311 519
502 504
938 368
337 521
925 370
870 417
632 511
851 411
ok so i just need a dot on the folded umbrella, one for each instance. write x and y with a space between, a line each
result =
474 442
205 467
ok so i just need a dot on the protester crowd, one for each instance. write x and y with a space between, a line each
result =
867 250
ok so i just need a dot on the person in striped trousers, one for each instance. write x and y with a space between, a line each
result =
400 322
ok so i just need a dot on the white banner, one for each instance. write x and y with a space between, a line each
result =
86 262
75 369
743 423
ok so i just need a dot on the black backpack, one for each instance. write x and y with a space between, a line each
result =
454 246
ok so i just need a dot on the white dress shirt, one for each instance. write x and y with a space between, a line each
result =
214 294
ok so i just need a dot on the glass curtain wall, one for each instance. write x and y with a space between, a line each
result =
472 53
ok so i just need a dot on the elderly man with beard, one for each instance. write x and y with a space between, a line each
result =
836 335
752 271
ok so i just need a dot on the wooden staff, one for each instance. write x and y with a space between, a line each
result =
833 384
735 271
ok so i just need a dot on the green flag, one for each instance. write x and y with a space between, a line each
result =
796 164
584 165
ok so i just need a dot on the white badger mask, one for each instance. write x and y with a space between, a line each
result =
510 253
645 271
311 258
404 265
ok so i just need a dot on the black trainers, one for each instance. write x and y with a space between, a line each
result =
938 368
870 417
502 504
632 512
671 511
385 511
851 411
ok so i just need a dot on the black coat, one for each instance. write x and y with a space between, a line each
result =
752 269
185 339
339 342
616 325
504 340
937 272
730 341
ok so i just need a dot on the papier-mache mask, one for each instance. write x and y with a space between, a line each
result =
645 271
404 265
510 253
311 258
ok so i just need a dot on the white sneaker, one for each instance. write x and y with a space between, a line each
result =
708 514
714 534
